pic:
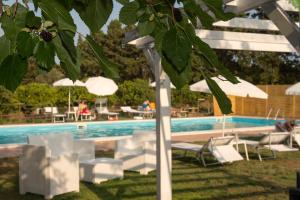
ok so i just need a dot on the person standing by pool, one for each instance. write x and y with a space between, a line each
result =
146 105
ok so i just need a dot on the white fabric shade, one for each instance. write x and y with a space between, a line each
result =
153 84
66 82
101 86
293 90
242 89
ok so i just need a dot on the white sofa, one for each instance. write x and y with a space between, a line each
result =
49 164
138 152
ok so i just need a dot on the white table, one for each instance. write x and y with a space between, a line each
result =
100 169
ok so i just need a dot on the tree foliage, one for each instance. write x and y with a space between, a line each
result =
53 33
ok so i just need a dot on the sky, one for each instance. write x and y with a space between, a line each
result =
81 27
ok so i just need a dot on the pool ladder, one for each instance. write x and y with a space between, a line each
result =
270 112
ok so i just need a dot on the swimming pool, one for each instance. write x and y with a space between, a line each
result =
18 134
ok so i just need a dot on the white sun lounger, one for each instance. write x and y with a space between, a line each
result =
144 114
221 148
275 142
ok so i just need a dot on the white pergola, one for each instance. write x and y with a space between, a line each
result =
279 22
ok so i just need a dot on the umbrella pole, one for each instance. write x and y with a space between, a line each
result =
69 105
223 126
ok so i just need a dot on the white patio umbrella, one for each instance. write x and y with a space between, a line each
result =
66 82
295 91
153 84
242 89
101 86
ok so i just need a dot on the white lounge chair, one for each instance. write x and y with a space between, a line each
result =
141 113
49 164
221 148
138 152
110 115
56 117
273 141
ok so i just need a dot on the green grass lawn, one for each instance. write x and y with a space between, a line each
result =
269 179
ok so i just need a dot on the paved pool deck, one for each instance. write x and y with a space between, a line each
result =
108 143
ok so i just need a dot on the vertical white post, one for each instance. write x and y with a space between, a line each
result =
163 132
223 125
69 105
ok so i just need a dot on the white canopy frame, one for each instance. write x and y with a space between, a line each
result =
291 43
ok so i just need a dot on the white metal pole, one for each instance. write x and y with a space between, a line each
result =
69 106
223 125
163 132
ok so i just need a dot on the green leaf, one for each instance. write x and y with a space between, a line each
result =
123 2
5 47
56 12
44 53
223 101
159 36
178 79
211 58
71 69
68 43
25 44
110 69
12 25
193 11
216 7
12 70
177 48
94 13
146 28
128 13
32 21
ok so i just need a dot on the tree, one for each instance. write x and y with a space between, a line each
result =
27 35
131 61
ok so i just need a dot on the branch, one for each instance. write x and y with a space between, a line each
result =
16 7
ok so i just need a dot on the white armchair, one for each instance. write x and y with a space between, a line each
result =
49 164
138 153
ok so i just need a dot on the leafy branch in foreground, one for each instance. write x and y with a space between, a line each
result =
172 23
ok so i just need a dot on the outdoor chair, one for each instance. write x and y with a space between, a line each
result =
49 164
221 148
141 113
110 115
274 142
138 152
56 117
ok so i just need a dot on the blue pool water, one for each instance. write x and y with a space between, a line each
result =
18 134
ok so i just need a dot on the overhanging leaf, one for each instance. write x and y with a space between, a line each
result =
12 25
211 58
146 28
44 53
68 42
177 48
12 70
32 21
71 69
25 44
178 79
110 69
128 13
94 13
223 101
56 12
5 47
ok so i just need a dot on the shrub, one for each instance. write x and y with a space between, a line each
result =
35 95
8 102
135 92
77 94
185 96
